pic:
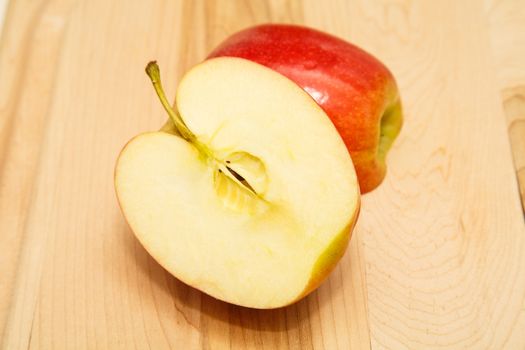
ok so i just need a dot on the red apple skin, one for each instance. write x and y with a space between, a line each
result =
354 88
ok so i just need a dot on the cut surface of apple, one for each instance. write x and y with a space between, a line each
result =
255 209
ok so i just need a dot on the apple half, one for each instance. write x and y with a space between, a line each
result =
232 198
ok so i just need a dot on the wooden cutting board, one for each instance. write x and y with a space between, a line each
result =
438 256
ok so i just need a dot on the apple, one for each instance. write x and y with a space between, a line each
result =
357 91
250 194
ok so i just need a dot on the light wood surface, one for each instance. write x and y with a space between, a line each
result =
438 255
507 33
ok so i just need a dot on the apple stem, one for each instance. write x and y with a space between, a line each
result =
153 71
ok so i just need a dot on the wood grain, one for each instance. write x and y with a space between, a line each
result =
27 84
444 235
507 33
437 257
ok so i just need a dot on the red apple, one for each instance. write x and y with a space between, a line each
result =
356 90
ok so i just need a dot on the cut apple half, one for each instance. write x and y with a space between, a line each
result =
249 194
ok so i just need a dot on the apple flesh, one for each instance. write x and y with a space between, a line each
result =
356 90
251 197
